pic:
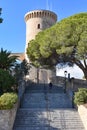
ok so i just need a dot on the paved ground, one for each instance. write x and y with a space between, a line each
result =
45 109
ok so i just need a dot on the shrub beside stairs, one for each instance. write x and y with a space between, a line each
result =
46 109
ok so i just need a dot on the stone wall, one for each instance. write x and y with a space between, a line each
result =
7 118
82 109
74 84
71 84
59 81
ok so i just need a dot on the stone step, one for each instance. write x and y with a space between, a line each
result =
44 128
31 128
31 117
61 119
41 100
42 88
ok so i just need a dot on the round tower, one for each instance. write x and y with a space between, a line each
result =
37 21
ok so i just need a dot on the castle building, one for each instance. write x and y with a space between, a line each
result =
37 21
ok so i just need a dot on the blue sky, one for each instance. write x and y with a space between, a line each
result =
13 28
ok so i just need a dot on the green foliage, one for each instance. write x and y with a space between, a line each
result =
40 52
7 81
17 72
25 67
72 34
6 61
64 42
7 100
21 69
80 96
0 14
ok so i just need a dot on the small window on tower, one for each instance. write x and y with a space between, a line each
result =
38 26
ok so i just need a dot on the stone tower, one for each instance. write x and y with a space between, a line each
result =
37 21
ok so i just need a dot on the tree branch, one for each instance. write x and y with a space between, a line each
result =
85 63
78 63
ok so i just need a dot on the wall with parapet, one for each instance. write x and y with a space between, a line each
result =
71 83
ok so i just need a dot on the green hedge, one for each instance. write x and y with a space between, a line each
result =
7 81
7 100
80 97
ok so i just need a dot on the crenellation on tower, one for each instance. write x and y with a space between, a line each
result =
40 14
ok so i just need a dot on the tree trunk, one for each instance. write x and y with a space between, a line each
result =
85 75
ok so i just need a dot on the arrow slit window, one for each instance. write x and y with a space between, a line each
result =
38 26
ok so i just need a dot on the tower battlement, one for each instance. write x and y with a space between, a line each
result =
40 14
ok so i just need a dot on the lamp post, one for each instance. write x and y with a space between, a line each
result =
72 81
65 73
38 75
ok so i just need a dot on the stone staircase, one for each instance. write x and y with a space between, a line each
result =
45 109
